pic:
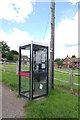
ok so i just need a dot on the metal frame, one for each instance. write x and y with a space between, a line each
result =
31 97
20 93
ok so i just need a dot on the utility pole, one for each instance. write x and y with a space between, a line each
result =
52 45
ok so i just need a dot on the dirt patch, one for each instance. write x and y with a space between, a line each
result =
12 106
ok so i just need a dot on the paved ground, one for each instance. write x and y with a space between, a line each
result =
0 101
12 106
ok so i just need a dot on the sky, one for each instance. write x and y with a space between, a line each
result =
26 20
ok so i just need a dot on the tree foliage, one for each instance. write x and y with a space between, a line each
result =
15 55
14 52
15 58
9 56
6 53
73 56
4 48
59 62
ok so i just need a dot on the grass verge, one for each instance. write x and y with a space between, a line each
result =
58 104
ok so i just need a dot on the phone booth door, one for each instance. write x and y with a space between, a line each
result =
40 70
24 71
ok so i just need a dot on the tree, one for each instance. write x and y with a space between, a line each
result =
4 48
14 52
68 56
59 62
73 56
15 55
15 58
9 56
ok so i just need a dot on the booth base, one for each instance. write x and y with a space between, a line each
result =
40 88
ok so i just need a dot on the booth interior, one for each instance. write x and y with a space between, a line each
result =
33 70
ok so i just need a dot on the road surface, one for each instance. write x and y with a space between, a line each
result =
12 106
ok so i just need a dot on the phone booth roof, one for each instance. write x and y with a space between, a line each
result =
33 42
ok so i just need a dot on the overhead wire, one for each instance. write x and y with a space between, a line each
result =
47 25
46 28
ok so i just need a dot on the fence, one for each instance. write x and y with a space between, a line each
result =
70 81
7 67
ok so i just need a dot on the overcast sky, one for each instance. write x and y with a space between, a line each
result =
26 20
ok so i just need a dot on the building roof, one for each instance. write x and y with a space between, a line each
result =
73 59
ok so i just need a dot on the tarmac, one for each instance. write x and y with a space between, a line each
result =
11 105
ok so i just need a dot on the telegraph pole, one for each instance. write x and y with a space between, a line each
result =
52 45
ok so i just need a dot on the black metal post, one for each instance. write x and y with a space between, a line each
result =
31 72
19 70
47 70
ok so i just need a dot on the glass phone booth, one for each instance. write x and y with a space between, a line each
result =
33 70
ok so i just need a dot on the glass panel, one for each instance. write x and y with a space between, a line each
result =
25 71
39 70
40 86
25 86
25 60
